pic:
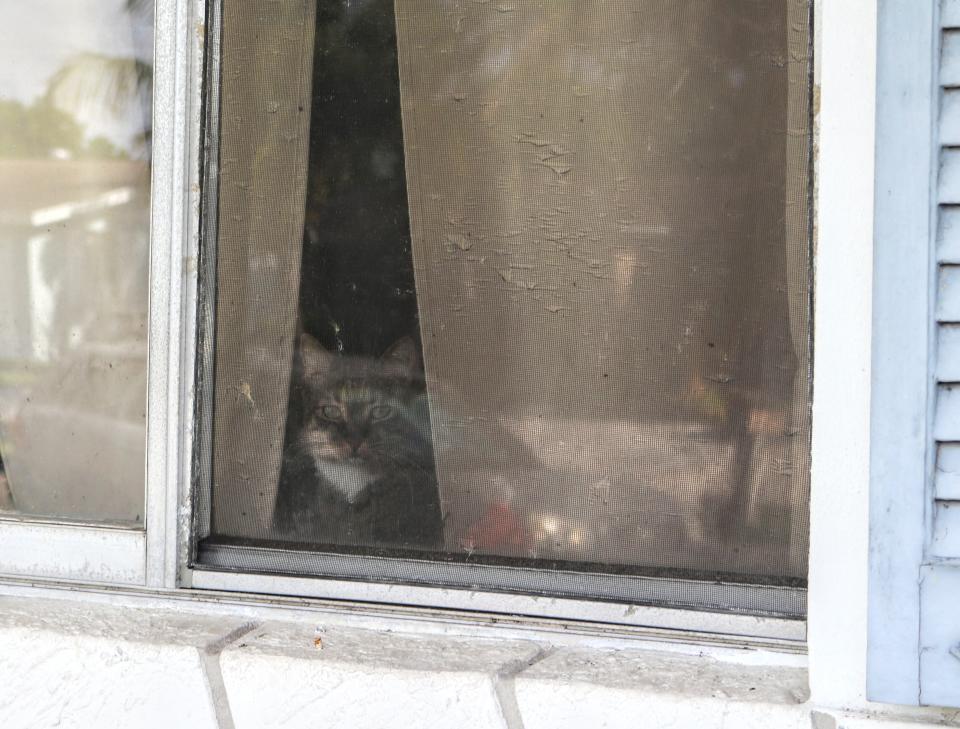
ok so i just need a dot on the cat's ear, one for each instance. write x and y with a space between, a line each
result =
316 360
403 354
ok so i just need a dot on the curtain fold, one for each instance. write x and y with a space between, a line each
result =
267 65
612 296
797 220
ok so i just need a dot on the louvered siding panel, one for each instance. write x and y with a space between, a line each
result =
948 294
950 14
946 535
948 231
947 477
940 577
950 117
948 189
946 426
940 642
948 348
950 57
945 540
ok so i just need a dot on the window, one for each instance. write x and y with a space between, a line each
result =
75 135
350 149
75 224
511 297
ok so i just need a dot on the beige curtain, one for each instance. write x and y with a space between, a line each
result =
798 263
263 146
597 210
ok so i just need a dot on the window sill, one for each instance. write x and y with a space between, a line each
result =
100 664
163 667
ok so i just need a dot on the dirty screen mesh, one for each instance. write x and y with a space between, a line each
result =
518 285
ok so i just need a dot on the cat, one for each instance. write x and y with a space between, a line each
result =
358 466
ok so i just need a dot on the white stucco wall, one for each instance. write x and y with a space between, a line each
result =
67 663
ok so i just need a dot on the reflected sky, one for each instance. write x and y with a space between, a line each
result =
40 37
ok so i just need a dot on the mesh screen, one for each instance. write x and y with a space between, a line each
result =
512 284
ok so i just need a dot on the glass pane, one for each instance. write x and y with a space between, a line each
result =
519 285
75 120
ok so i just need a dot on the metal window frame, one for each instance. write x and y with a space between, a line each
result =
180 34
88 553
65 551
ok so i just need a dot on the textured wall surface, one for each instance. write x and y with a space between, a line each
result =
70 664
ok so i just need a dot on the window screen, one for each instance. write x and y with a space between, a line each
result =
510 295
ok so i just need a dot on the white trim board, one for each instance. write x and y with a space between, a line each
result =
903 344
72 552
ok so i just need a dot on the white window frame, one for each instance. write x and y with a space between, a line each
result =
175 237
845 45
181 330
88 553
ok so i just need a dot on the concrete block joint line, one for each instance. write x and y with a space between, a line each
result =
505 688
213 676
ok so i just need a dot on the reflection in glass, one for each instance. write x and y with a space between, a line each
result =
538 289
75 121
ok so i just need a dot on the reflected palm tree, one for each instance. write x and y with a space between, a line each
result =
109 83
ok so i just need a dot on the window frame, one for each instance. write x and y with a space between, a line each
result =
172 435
60 550
179 74
74 550
843 133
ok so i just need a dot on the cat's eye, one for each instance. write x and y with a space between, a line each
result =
331 412
381 412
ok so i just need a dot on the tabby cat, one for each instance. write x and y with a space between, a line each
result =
358 464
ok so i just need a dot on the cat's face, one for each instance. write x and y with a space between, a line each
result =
358 410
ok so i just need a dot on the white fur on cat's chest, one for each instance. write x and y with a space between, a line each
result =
350 479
